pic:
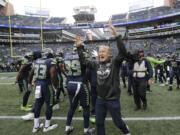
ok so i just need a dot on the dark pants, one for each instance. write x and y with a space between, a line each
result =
123 76
159 73
140 87
60 89
176 74
113 106
156 74
93 99
47 96
58 94
83 97
148 87
130 83
20 84
161 76
23 86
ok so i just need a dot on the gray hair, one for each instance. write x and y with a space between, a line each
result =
106 47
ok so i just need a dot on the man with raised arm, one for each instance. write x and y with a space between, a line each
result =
108 83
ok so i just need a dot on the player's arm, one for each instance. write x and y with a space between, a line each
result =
30 78
82 54
150 72
53 76
62 67
155 61
19 74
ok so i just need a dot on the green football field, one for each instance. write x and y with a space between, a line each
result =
162 104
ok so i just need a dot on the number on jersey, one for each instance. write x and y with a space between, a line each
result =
40 71
73 67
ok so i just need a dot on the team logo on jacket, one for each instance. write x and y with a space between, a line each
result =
103 72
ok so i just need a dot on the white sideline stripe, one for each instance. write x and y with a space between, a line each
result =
6 83
108 119
8 73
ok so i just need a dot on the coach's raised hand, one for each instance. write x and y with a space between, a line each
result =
78 41
112 28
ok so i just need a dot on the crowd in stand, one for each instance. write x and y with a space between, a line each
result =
146 13
21 20
151 46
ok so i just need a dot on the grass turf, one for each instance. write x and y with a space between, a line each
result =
160 103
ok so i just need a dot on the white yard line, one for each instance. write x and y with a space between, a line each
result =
5 73
7 83
108 119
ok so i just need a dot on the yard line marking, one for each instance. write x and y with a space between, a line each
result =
8 73
108 119
7 83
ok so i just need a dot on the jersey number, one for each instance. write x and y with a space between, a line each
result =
73 67
40 71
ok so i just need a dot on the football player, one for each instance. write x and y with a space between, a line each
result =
77 90
45 80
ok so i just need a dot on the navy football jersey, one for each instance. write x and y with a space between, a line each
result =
72 65
42 67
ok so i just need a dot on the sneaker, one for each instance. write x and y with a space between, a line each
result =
128 131
28 116
26 108
36 129
56 107
69 131
161 84
90 131
50 128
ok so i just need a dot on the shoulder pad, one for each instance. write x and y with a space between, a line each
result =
53 61
24 61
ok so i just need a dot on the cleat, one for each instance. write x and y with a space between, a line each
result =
28 116
36 129
26 108
90 131
80 109
56 107
93 120
29 105
161 84
50 128
69 131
